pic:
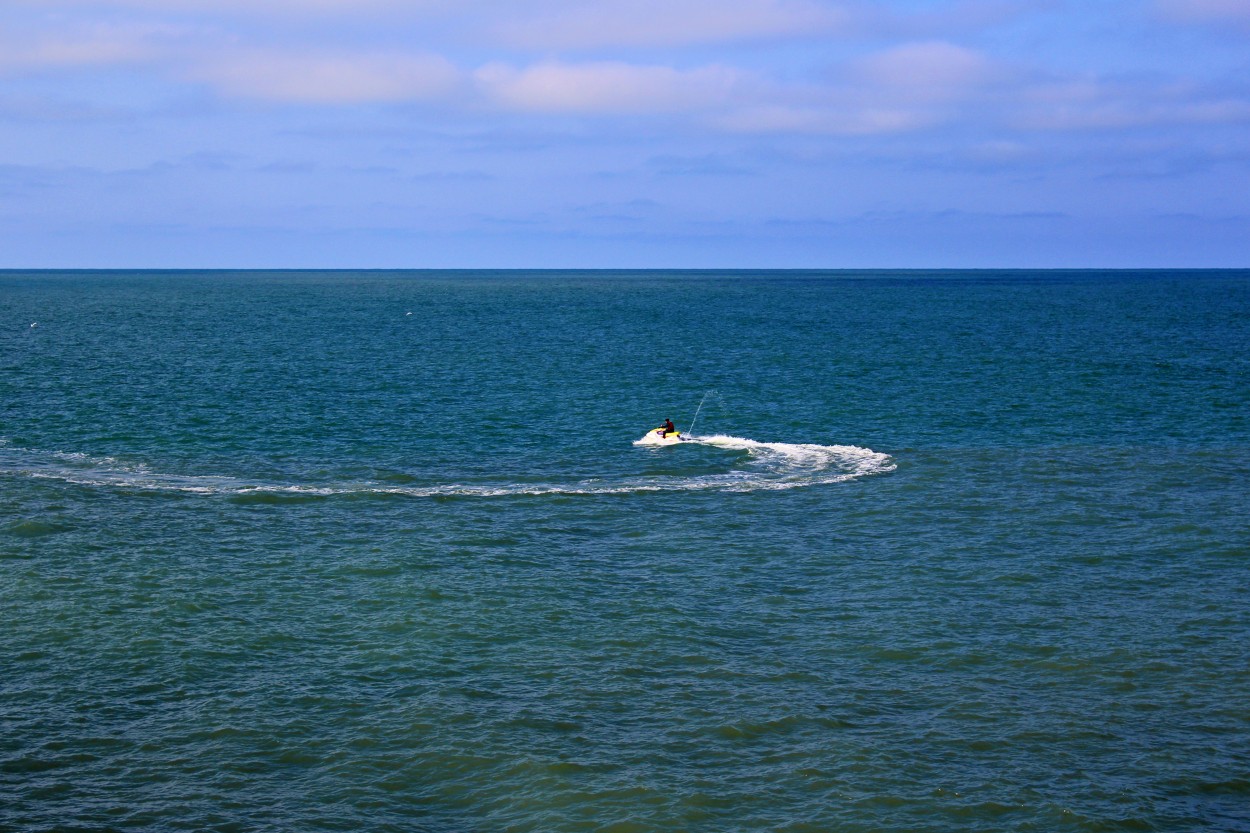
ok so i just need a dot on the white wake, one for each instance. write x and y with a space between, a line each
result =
792 465
757 466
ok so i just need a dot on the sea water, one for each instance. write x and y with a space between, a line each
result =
299 551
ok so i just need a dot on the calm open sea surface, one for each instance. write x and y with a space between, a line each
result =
376 551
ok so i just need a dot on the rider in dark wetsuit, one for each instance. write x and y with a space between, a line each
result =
667 428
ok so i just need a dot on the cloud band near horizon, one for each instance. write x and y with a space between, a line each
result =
1018 90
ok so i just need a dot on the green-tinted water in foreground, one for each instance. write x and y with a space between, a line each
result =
376 551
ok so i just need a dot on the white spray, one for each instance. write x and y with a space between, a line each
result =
690 432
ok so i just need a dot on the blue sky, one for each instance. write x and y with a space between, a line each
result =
598 133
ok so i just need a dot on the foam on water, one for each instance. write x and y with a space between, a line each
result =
805 464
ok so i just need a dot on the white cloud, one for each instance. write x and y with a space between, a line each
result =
929 71
606 87
82 47
666 23
907 87
901 89
329 79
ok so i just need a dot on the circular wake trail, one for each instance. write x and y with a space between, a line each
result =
758 466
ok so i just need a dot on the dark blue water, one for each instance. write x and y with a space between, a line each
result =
377 551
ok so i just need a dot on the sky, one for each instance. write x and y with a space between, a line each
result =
612 134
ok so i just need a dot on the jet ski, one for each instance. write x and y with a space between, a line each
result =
658 437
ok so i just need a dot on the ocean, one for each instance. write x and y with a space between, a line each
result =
377 551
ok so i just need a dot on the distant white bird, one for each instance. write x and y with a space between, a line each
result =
36 324
406 313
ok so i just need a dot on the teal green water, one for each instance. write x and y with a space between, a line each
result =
377 551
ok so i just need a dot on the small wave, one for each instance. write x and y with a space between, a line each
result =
276 497
34 529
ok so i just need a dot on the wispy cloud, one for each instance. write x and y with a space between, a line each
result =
899 89
927 71
664 23
952 18
83 47
1095 104
307 77
905 87
862 119
735 107
1206 11
606 87
249 8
